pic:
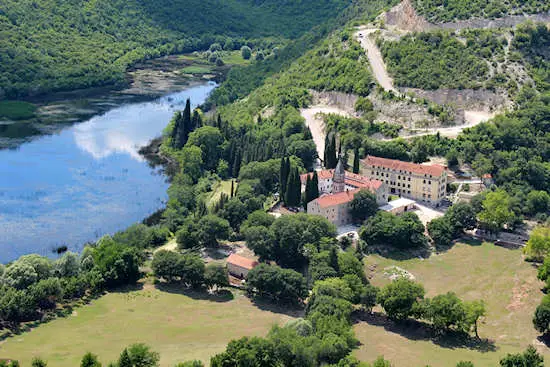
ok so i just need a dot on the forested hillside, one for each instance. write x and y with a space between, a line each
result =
449 10
60 44
446 59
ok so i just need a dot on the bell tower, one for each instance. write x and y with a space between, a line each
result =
339 177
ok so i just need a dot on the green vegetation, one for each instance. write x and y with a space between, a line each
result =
186 324
498 275
196 69
446 11
94 43
17 110
386 229
440 60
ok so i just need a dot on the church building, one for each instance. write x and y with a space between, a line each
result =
337 188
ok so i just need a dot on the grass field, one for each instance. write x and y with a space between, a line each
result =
196 69
178 326
497 275
218 189
17 110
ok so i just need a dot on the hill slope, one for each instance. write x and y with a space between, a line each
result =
63 44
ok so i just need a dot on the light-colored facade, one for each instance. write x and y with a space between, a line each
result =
337 189
425 183
399 206
334 207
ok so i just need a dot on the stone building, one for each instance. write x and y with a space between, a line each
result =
337 188
239 266
421 182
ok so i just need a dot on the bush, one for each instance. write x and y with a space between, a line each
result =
400 298
246 52
276 283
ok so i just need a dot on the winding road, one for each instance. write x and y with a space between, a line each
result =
375 58
381 75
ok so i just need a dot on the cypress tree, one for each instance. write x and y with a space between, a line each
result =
237 164
124 360
327 149
283 178
232 188
175 130
332 153
356 160
185 124
333 259
307 134
314 186
293 189
196 120
219 123
307 193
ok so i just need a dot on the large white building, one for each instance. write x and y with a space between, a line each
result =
421 182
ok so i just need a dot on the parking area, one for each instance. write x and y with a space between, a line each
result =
426 213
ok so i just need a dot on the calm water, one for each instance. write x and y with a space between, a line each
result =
85 181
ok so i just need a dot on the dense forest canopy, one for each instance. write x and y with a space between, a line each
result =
60 44
449 10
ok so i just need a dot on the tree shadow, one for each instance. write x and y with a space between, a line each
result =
128 288
418 330
545 339
222 295
465 240
291 310
397 254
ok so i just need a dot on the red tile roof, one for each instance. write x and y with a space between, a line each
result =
325 174
435 170
352 179
336 199
242 262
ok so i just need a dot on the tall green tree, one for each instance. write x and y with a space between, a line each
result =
363 205
283 176
307 193
315 186
496 211
330 157
293 189
124 359
356 161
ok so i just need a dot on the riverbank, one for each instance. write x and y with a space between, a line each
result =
88 179
146 81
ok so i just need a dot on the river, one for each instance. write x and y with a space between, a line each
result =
86 179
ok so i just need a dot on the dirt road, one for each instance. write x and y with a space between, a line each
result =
317 125
380 73
375 58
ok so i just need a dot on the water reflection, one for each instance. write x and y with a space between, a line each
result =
84 181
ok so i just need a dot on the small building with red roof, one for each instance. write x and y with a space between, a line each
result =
239 266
